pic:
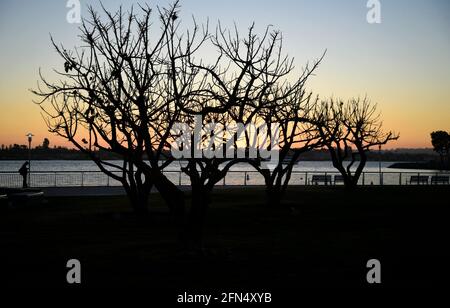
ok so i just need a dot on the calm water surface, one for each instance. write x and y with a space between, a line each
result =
61 173
85 165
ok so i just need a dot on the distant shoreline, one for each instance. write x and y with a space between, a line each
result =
21 152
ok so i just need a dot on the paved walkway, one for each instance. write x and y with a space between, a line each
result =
105 191
83 191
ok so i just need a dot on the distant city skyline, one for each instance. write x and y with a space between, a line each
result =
403 63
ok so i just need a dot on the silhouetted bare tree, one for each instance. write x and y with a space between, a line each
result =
249 75
297 135
116 94
349 130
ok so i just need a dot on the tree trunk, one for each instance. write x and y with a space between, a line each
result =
274 195
197 215
139 200
171 194
175 200
350 182
140 206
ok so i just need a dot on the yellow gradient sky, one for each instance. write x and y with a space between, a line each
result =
403 63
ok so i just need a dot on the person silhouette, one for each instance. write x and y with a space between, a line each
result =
23 171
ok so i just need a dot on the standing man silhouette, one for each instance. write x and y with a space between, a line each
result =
23 171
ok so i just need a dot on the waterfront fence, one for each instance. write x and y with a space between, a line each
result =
233 178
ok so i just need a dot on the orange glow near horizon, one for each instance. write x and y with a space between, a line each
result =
19 115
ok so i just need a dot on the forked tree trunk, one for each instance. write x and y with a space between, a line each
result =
274 195
174 197
350 182
140 204
139 199
201 197
276 186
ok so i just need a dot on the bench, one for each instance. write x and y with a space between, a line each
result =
439 179
418 180
338 179
325 179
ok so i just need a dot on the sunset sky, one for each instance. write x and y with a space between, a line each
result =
403 63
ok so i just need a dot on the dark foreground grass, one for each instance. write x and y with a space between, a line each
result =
319 237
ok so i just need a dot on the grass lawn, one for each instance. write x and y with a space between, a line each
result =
319 237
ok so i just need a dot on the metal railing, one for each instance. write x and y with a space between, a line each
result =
234 177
